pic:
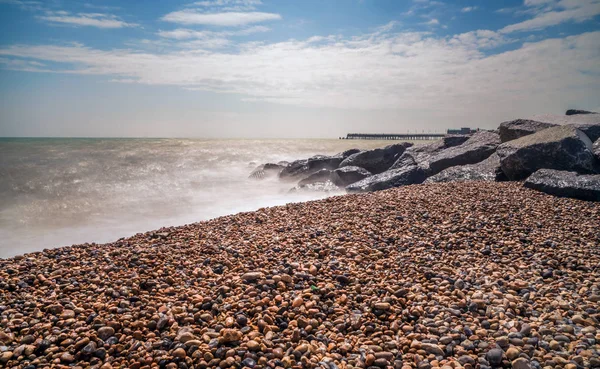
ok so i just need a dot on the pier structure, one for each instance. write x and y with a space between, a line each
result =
394 136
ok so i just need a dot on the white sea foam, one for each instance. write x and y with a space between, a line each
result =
56 192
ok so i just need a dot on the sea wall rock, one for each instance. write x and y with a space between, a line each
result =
322 175
268 170
391 178
587 123
596 149
347 175
487 170
561 148
578 112
566 184
519 128
377 160
306 167
476 149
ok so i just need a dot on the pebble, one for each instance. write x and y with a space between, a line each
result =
347 282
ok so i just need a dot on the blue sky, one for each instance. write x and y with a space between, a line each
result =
261 68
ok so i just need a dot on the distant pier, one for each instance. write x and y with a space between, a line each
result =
395 136
408 136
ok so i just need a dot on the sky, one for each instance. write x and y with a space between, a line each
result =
285 68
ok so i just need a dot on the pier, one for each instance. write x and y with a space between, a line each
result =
394 136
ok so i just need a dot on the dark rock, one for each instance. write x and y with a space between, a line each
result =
378 160
347 175
519 128
105 332
587 123
306 167
347 153
454 140
577 112
487 170
596 148
476 149
494 357
268 170
391 178
565 184
561 148
321 176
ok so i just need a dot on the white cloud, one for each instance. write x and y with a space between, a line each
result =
99 20
432 22
468 9
401 71
185 34
231 19
551 13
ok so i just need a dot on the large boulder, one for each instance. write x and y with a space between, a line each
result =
348 175
519 128
587 123
377 160
487 170
323 175
268 170
596 148
561 148
433 159
391 178
566 184
303 168
578 112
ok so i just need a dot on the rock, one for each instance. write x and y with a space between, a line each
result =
487 170
267 170
577 112
476 149
298 301
391 178
67 314
512 353
252 276
454 140
347 175
566 184
347 153
229 335
561 148
322 175
521 363
306 167
185 334
179 353
378 160
596 148
494 357
105 332
518 128
587 123
434 158
383 306
66 358
253 345
432 349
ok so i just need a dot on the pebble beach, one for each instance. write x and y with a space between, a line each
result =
446 275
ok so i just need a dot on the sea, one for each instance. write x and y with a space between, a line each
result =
62 191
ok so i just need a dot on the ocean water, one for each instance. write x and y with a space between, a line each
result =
56 192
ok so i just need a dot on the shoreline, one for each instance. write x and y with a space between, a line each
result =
437 275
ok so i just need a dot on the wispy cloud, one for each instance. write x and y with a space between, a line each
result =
230 19
24 4
99 20
432 22
230 5
468 9
184 34
549 13
389 70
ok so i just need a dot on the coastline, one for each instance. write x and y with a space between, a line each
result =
434 275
